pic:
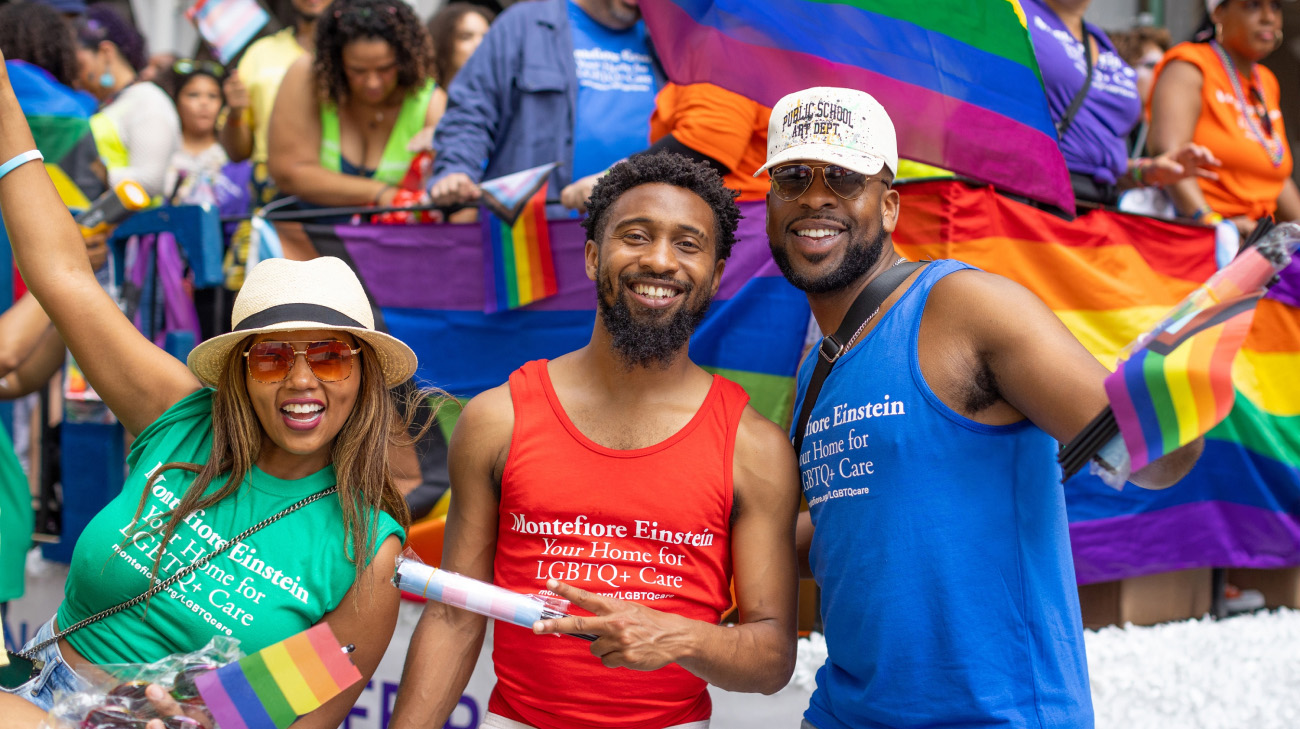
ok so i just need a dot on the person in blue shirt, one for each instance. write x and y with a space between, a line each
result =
568 81
937 528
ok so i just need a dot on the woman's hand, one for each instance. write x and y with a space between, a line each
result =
165 705
236 93
1189 160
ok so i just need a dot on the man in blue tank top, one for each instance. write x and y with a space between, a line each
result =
937 528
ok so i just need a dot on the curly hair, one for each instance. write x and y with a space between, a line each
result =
392 21
669 168
36 33
442 30
102 23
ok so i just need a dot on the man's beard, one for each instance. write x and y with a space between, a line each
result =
859 256
641 343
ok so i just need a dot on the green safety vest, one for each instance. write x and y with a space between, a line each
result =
396 160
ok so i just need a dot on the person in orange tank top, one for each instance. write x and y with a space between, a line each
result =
626 479
1217 94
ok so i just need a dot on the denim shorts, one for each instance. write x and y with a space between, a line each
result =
56 676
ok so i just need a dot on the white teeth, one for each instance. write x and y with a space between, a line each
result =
302 408
653 292
818 233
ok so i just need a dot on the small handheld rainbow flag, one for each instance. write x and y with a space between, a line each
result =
228 25
273 687
1179 385
518 266
507 195
1174 383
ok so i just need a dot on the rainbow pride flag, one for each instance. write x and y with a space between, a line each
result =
59 121
518 265
959 77
1111 277
273 687
1175 383
58 118
1179 385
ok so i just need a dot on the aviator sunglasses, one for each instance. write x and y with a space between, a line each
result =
792 180
271 362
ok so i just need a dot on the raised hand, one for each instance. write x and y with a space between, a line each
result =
629 635
236 92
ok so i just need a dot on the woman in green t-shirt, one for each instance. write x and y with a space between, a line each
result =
294 403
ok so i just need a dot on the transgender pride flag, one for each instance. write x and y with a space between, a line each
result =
227 25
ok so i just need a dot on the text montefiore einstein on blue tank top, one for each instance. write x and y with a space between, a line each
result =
845 413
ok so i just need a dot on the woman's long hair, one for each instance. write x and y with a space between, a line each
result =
360 456
442 30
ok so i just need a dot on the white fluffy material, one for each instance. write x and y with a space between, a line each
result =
1195 674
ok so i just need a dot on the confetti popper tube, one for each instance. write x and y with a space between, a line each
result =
477 596
470 594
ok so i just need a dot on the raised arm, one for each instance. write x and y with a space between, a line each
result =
237 132
1037 365
293 148
1175 109
447 640
137 380
757 655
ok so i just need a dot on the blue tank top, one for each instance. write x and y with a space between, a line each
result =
941 548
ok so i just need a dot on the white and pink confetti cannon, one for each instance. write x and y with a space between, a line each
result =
417 578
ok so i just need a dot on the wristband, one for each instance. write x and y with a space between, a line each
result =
380 194
1138 165
19 159
1207 216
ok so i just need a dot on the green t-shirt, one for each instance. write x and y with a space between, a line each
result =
15 521
279 581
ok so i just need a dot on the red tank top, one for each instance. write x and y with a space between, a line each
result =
650 525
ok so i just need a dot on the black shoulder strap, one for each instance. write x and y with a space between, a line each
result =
833 346
1077 101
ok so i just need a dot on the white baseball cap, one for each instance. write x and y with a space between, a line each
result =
844 127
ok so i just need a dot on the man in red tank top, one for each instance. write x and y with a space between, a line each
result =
626 479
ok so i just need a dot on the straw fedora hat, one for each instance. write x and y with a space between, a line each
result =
280 295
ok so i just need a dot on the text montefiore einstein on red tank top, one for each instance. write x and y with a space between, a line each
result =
581 526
